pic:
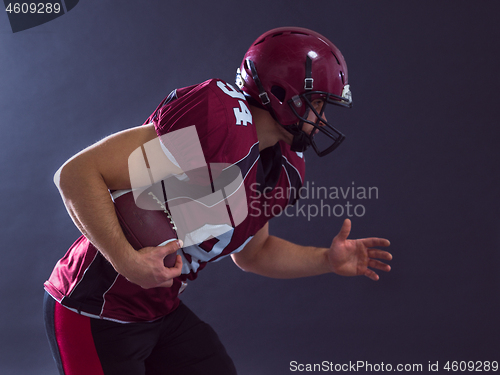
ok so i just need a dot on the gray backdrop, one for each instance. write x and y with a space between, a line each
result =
423 130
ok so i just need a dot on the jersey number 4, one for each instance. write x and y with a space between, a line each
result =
241 114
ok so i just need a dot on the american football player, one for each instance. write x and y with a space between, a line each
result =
112 309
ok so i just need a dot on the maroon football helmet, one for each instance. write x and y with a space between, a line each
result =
288 68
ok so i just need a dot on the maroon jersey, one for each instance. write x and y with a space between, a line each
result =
83 280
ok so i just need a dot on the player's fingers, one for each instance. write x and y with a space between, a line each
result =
379 265
379 254
371 274
345 230
169 275
375 242
170 247
165 279
178 263
176 269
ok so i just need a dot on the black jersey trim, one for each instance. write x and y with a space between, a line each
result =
89 294
294 180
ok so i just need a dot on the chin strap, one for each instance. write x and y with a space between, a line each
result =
263 96
301 140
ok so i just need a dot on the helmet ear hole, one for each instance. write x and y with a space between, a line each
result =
279 92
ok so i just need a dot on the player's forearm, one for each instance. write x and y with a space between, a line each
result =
282 259
87 199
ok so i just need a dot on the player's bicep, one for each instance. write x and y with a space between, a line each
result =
117 156
110 157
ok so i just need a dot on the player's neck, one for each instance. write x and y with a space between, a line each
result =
269 132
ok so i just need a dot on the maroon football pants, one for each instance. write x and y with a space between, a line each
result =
177 344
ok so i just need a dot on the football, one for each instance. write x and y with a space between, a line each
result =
145 227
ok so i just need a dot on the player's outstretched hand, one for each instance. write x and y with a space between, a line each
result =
356 257
147 269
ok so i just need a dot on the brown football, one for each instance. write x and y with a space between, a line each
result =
142 227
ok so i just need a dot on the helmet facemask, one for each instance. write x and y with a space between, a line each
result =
324 137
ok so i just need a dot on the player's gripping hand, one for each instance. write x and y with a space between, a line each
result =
356 257
145 267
